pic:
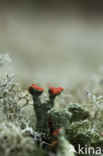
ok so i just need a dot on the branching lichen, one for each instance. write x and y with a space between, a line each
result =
13 142
41 109
48 130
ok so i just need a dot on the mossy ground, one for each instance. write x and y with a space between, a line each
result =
18 120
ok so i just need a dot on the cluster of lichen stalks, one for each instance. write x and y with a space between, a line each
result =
73 119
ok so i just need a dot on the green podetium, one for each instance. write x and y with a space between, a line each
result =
41 109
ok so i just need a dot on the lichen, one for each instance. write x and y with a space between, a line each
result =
73 118
41 109
78 112
12 141
47 127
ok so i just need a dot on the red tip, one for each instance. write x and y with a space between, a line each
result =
56 132
55 91
54 143
37 87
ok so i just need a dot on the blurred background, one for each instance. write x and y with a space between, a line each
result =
53 41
